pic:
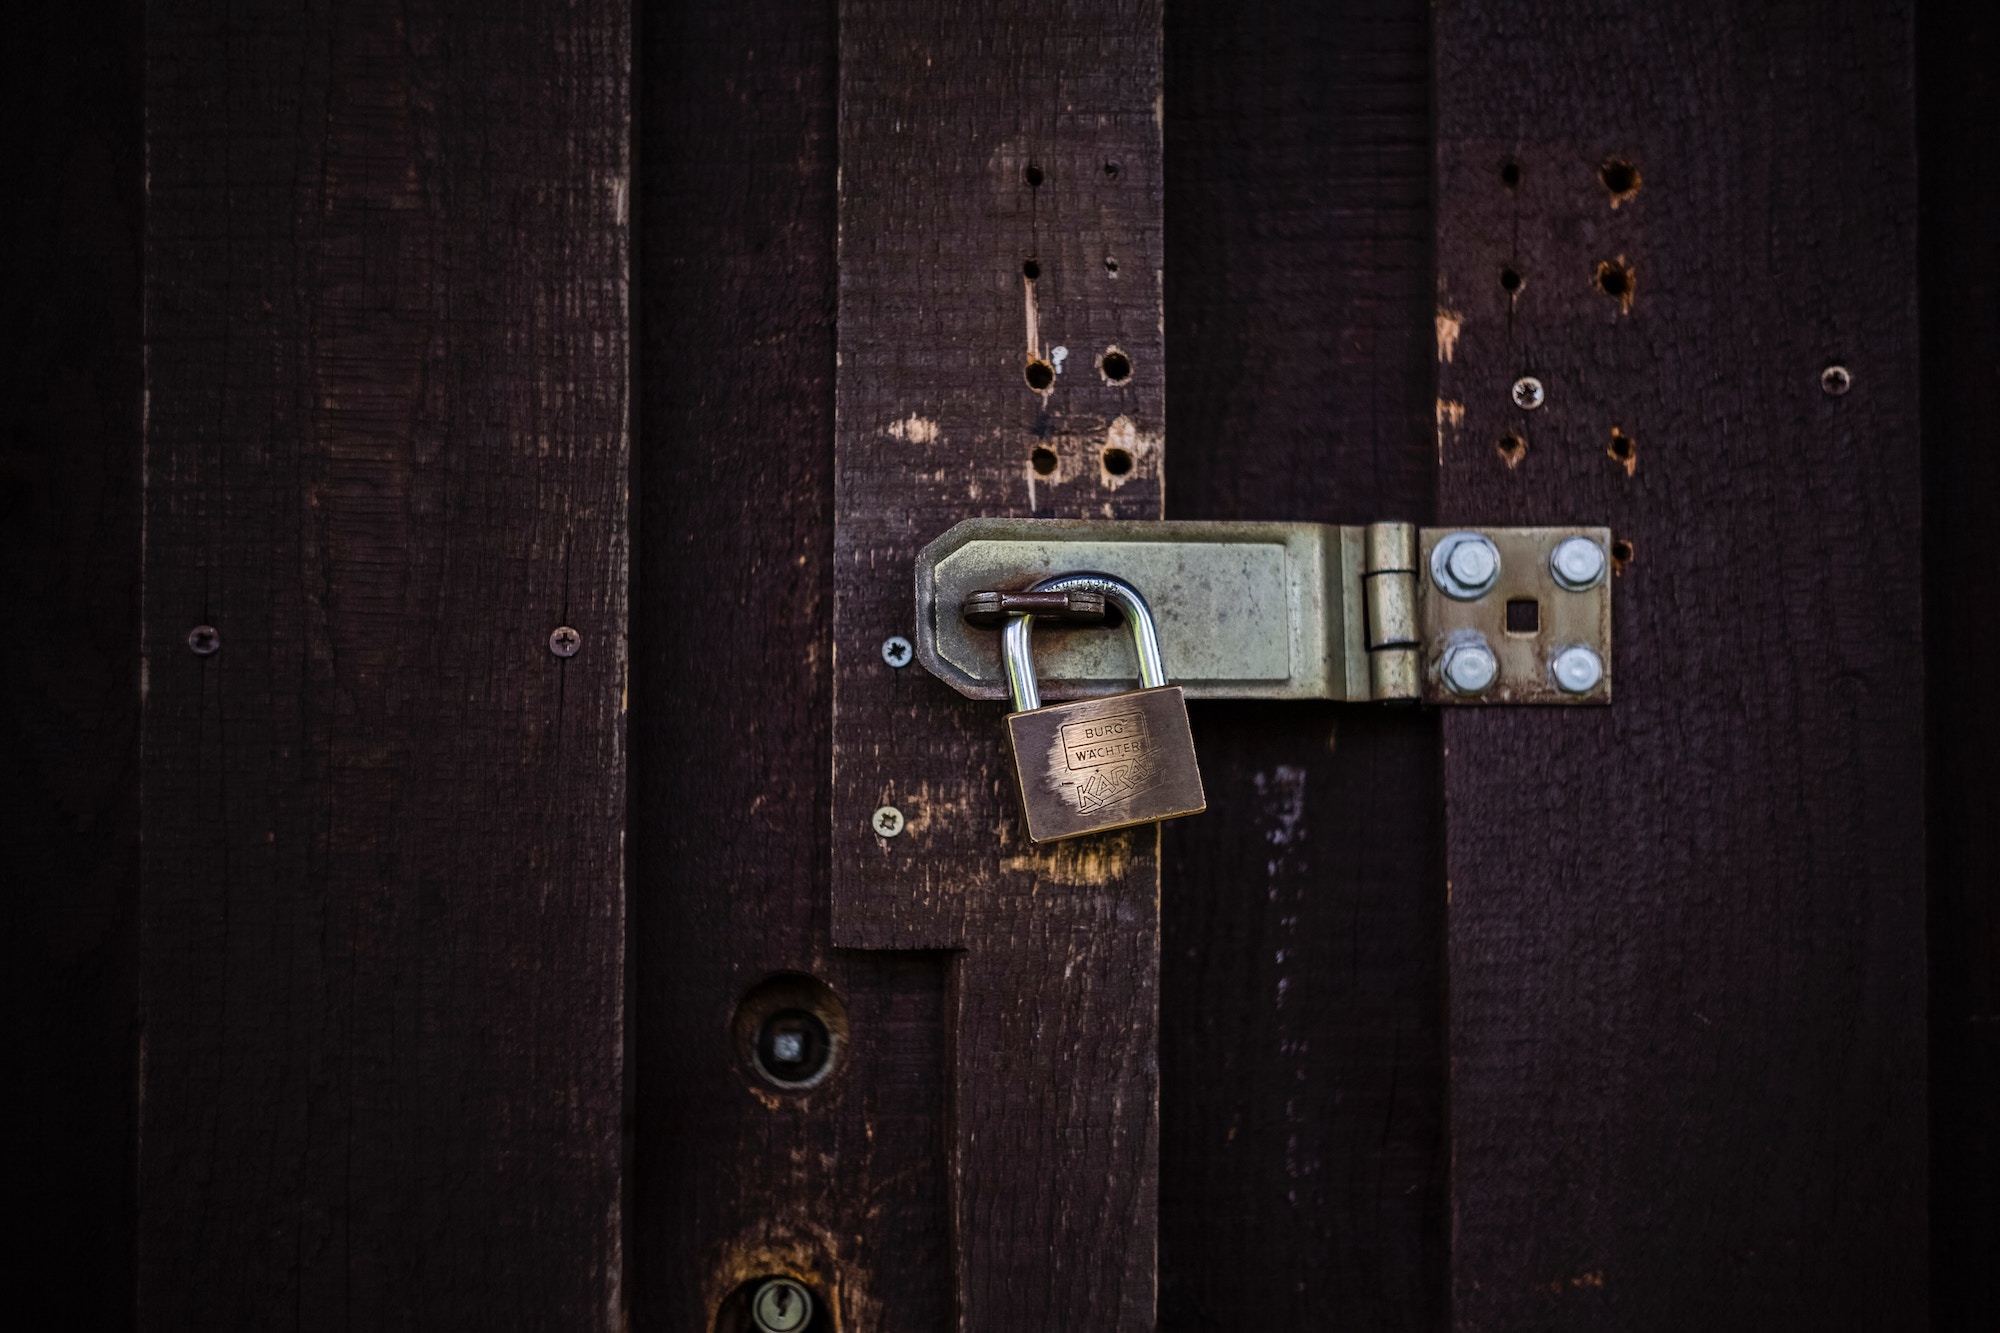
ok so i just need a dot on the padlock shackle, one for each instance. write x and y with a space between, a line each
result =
1020 659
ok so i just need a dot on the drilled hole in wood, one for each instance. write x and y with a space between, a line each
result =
1044 460
1510 174
1622 448
1030 269
1621 555
1620 177
1117 461
791 1031
1041 375
1616 279
1033 175
1510 281
1111 266
1513 449
1116 366
1524 616
1111 170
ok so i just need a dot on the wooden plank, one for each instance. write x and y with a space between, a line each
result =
732 704
1000 199
1302 1031
1686 932
1958 116
386 256
70 142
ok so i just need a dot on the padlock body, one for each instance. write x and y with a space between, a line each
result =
1099 764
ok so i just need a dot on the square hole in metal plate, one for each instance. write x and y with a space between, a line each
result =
1524 616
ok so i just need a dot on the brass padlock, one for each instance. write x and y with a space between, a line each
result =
1100 764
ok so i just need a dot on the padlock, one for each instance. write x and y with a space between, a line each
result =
1100 764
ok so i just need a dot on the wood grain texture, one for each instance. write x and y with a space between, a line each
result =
1302 1031
1958 113
386 456
1686 932
72 157
974 139
843 1186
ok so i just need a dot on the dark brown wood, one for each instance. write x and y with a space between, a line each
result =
1302 1104
1686 931
72 158
386 457
843 1186
999 200
1958 116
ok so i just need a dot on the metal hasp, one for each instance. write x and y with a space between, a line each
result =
1385 611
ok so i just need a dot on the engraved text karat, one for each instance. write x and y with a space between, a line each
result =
1099 764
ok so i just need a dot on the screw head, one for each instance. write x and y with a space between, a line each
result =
1468 668
1577 563
1464 565
887 821
896 651
781 1306
1576 669
203 640
564 641
1835 381
1528 393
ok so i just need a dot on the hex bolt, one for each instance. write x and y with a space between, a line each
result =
1528 393
1576 669
1468 668
1577 564
896 651
203 640
1835 381
887 821
564 641
1464 565
781 1305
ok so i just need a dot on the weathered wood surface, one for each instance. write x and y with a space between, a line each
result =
386 257
71 156
1958 109
732 705
1686 932
1302 1030
1000 198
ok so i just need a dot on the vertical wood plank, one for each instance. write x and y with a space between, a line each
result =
386 457
1302 1169
1958 110
1686 931
72 155
1000 199
841 1186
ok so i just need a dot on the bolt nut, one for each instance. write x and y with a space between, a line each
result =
1468 668
1464 565
1577 564
887 821
1835 381
896 651
203 640
1576 669
1528 393
781 1305
564 641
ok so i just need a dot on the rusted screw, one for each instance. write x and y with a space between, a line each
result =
1835 381
203 640
781 1306
565 641
887 821
1528 393
896 651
